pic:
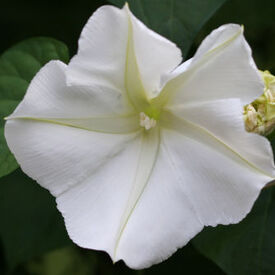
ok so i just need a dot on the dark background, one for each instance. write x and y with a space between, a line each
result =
64 21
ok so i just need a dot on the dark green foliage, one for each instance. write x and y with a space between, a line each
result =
30 222
33 239
247 247
177 20
18 65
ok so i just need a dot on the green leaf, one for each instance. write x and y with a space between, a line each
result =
69 260
185 261
30 222
245 248
18 65
177 20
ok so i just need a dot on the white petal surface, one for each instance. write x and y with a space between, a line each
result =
134 87
221 186
197 181
148 155
223 119
48 96
222 68
187 188
93 209
60 157
48 99
173 74
163 221
97 211
101 57
155 55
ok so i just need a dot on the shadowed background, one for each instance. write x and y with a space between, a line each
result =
64 20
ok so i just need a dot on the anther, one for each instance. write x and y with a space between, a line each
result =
146 121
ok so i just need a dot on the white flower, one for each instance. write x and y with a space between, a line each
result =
139 153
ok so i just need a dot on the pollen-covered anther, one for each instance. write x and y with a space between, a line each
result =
146 122
269 96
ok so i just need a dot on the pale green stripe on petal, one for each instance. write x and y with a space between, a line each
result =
113 124
202 135
133 83
147 158
173 85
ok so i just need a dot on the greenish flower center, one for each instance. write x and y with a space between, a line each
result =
153 112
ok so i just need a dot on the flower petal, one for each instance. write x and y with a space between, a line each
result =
60 157
163 221
155 55
135 90
98 210
48 99
107 125
223 120
98 179
101 57
222 68
221 184
146 164
197 181
48 95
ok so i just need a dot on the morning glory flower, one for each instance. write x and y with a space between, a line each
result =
141 152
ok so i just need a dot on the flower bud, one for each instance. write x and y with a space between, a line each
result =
259 116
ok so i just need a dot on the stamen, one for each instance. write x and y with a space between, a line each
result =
269 95
146 121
